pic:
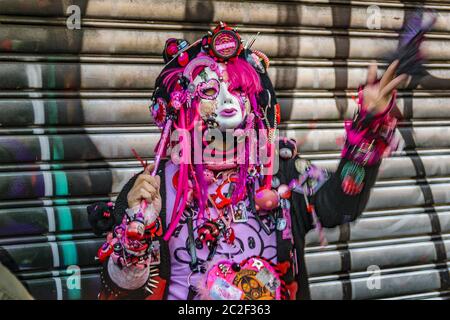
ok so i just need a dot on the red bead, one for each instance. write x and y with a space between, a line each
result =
183 59
284 191
135 230
172 49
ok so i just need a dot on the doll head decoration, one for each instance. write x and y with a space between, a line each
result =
219 82
287 148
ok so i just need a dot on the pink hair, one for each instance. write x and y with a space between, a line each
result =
171 78
241 75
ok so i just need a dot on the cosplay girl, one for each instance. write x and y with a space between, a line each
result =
223 211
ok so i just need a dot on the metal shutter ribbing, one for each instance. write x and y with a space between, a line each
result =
74 102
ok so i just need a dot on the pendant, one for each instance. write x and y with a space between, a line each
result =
275 182
219 200
209 176
229 235
286 216
281 224
240 213
155 253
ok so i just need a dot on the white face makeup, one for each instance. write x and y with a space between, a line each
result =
229 108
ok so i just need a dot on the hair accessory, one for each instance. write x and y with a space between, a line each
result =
183 59
223 43
255 61
177 99
174 47
159 111
200 61
263 57
251 41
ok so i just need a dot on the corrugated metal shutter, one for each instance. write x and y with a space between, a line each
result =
74 102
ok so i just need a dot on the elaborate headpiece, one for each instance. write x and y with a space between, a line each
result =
175 99
222 45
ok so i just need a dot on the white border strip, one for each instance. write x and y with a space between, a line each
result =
58 284
55 252
51 219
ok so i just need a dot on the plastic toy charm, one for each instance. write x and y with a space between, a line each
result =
352 176
208 234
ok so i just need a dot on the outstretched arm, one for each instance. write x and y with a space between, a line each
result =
369 136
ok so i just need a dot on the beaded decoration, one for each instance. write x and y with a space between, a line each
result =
370 137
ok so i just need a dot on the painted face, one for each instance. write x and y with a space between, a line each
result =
217 103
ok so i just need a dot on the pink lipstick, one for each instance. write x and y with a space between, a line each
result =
228 112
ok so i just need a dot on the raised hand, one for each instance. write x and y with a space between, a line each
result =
146 187
377 94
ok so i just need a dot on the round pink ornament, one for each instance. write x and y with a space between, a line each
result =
267 199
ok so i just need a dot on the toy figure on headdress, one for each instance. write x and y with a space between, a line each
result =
217 218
